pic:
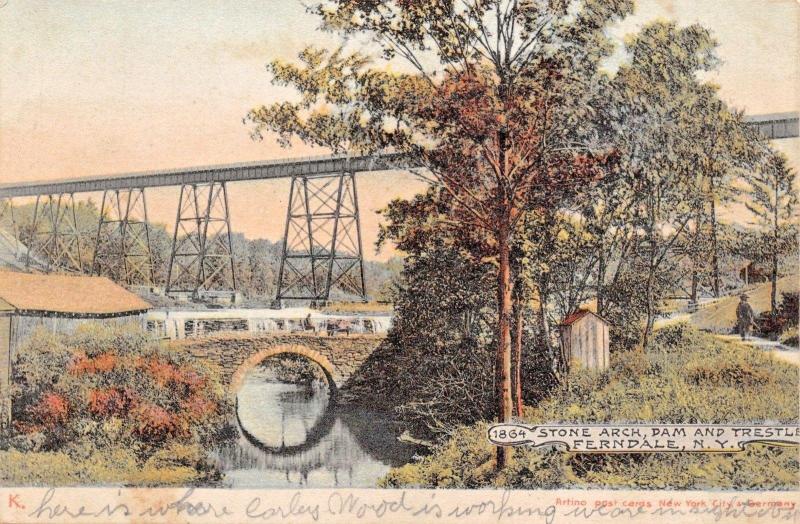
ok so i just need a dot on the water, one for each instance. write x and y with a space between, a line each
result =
292 436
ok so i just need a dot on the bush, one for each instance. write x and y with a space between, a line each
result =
724 370
789 338
790 307
678 338
109 388
772 326
435 368
676 381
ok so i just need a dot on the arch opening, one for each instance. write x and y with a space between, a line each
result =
257 358
317 422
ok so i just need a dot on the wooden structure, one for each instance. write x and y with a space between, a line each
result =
753 273
584 340
57 303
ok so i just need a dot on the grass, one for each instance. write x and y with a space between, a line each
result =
357 307
118 466
790 338
720 317
686 377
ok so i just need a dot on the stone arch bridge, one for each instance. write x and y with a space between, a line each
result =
339 357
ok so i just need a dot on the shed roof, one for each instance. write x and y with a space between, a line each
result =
579 314
67 294
5 306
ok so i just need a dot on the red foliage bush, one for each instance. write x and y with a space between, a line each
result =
198 407
109 402
155 395
162 372
154 423
193 380
51 410
103 362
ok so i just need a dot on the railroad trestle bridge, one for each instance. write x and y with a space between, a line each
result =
322 247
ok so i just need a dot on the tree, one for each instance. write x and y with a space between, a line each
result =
497 109
723 148
772 201
435 368
658 118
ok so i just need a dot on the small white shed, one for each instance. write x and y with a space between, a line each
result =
584 340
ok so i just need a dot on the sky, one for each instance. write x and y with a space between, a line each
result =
89 88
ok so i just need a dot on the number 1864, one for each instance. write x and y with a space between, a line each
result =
503 434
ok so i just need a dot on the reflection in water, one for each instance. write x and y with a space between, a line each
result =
292 437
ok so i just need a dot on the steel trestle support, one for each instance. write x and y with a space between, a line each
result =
322 248
202 251
122 245
55 237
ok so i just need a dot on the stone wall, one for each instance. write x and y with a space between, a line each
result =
339 356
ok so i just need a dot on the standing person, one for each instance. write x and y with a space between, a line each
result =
745 317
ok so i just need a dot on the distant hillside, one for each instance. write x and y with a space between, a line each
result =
14 254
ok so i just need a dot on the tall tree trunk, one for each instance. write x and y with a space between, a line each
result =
503 358
650 320
544 328
773 296
698 221
695 261
714 243
601 277
542 312
650 281
650 307
518 328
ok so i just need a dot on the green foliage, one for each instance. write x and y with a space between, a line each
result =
292 369
671 383
435 368
109 388
790 338
110 466
772 324
666 123
772 201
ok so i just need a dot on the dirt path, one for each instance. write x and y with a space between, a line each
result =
778 350
720 315
781 352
